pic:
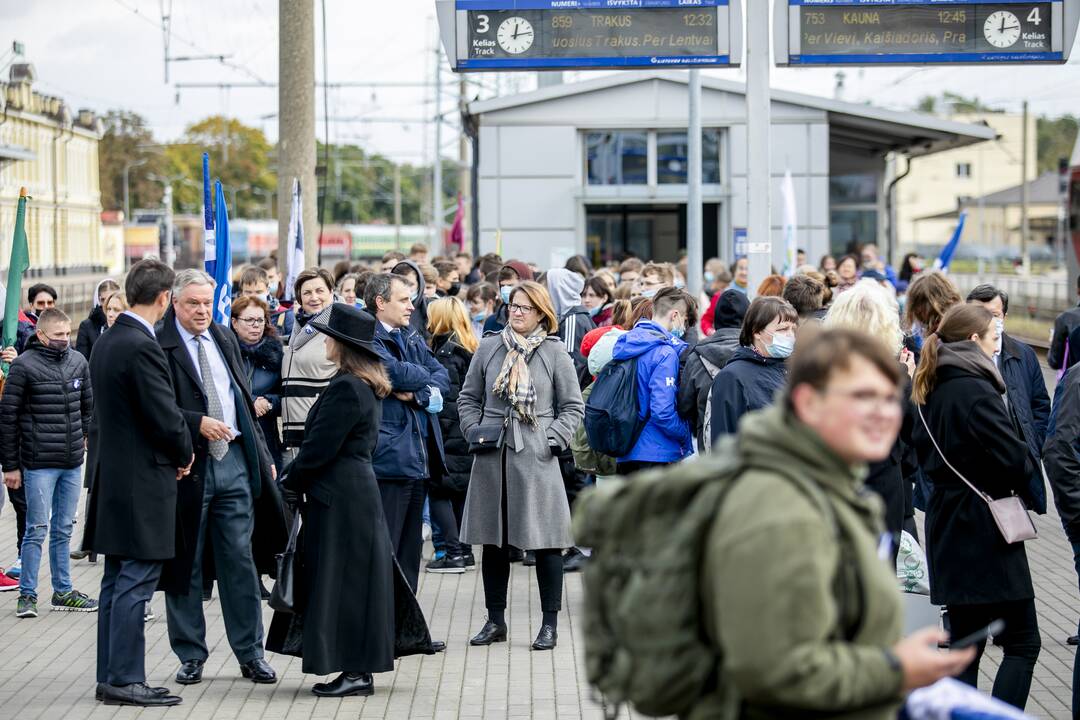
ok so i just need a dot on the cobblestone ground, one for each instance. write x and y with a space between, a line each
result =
47 663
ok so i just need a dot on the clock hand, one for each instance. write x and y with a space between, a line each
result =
516 30
1011 27
1002 23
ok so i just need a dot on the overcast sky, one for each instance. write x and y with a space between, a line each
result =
107 54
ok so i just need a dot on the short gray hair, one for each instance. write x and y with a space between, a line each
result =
191 277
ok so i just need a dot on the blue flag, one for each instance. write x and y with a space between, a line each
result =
947 252
221 267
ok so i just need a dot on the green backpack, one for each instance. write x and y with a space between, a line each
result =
586 459
645 643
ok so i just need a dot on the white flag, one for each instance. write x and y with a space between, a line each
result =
791 244
295 257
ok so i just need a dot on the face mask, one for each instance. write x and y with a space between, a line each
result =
709 277
650 293
781 346
455 288
1000 324
504 291
595 311
273 288
479 317
59 345
678 333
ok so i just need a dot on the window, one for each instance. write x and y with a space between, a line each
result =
672 157
617 157
963 170
847 189
853 216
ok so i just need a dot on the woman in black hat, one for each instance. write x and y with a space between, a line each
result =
349 587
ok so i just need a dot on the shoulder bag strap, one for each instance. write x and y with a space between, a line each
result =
986 498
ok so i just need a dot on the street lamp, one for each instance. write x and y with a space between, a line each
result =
127 167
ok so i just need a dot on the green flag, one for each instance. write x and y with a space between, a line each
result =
20 262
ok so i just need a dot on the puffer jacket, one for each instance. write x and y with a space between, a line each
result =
702 364
48 401
452 356
748 382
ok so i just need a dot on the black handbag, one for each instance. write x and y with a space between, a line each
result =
283 596
485 437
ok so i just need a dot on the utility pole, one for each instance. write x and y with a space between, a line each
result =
758 153
463 163
296 130
437 189
170 247
397 206
695 261
127 202
1026 257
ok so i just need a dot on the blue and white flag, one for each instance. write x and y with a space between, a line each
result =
295 253
947 252
221 267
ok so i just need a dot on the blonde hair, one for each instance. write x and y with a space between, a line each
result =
869 308
541 300
448 316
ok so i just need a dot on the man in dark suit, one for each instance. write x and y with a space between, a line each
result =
142 449
232 499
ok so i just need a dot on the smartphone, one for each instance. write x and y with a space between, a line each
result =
994 628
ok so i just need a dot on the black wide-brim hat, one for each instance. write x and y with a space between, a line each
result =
348 325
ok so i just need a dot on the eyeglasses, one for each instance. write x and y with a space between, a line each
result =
867 401
521 309
252 322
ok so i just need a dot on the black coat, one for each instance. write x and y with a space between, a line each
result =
357 612
969 561
1026 391
1065 323
45 409
262 364
140 441
270 534
696 377
90 330
455 359
887 477
1061 453
748 382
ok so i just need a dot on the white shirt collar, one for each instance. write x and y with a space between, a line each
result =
187 336
141 320
388 328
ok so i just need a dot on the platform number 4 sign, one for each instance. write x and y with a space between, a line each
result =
1034 18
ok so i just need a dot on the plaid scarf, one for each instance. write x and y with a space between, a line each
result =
514 381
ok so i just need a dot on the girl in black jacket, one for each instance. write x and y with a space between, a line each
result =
91 328
973 571
453 342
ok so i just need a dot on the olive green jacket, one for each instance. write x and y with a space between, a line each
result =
803 621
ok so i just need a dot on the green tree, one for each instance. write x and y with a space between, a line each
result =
1056 139
128 141
239 157
952 103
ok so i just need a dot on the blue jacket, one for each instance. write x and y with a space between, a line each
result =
410 442
666 437
1025 389
748 382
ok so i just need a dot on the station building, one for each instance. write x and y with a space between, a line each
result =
599 168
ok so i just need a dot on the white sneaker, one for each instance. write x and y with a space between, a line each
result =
148 613
425 532
15 569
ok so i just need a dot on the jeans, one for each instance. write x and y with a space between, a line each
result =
1020 640
52 498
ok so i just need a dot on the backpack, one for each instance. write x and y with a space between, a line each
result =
645 643
613 421
706 422
586 459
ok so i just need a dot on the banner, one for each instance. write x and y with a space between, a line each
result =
20 263
947 252
295 258
222 272
791 244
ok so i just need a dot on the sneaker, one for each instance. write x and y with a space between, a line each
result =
470 561
79 554
425 532
26 607
446 564
574 560
148 613
74 601
7 584
15 569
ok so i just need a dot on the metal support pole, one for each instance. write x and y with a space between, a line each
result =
1026 257
695 262
170 247
437 188
296 134
464 174
397 206
758 153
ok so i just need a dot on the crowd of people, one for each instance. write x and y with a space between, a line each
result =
472 400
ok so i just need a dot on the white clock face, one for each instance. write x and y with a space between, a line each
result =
1002 29
515 35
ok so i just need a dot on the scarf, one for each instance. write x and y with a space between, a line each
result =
514 382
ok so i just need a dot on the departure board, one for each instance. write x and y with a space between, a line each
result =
536 34
903 31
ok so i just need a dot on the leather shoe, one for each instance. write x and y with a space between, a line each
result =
99 693
136 694
438 646
546 639
1073 640
490 633
258 671
190 673
346 684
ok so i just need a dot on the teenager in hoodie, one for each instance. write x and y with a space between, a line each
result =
414 278
91 328
657 345
565 287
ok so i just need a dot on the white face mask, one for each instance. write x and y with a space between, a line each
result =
1000 324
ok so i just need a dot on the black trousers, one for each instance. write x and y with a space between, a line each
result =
403 506
1020 641
633 466
495 570
18 501
126 587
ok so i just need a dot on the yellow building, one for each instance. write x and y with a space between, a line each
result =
53 153
939 184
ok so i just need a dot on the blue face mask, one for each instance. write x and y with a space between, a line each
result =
650 293
781 346
595 311
709 277
480 317
504 291
678 333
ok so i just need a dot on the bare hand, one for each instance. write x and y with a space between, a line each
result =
907 359
13 479
185 471
404 396
8 354
212 429
273 472
262 406
924 664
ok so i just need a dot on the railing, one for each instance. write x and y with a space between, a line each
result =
1040 297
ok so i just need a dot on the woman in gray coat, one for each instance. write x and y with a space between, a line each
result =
522 376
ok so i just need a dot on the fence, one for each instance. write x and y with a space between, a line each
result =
1040 297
